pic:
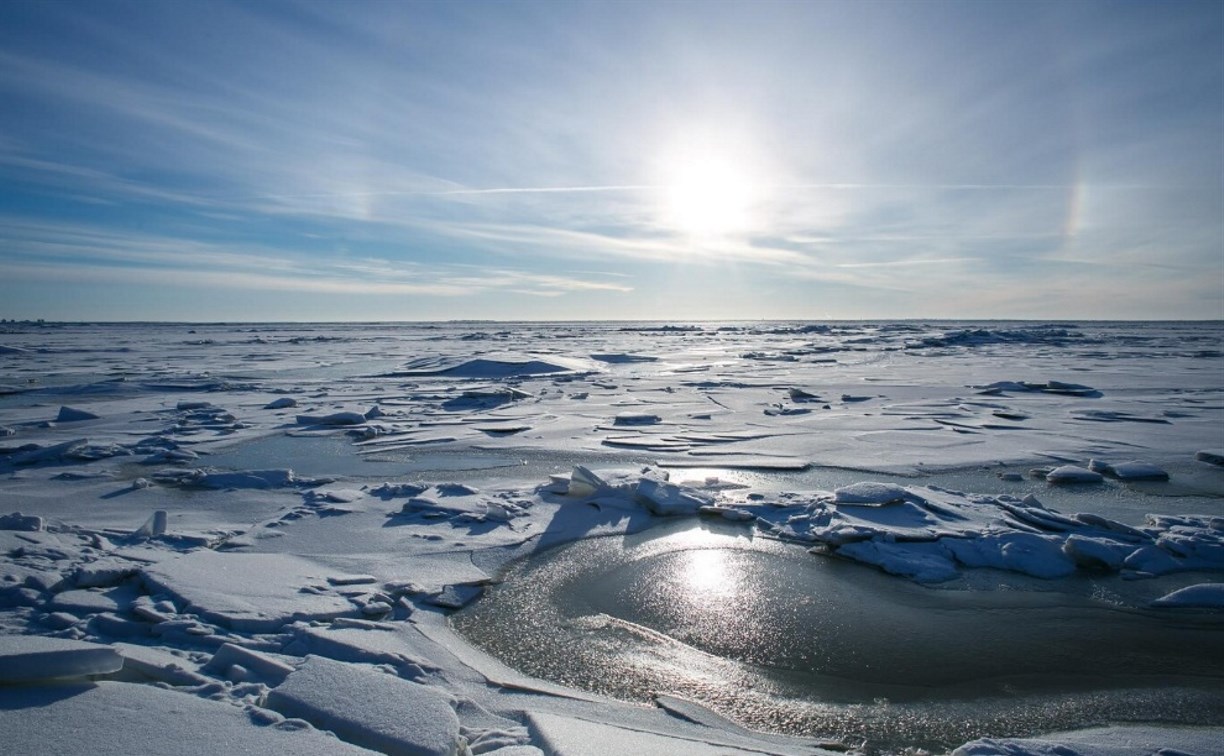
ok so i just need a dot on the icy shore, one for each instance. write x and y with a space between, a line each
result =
380 477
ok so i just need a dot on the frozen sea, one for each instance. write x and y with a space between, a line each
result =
747 537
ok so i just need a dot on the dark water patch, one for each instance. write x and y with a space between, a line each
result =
785 641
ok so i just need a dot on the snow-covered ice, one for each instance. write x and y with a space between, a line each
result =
247 592
29 658
116 718
251 537
1203 595
370 708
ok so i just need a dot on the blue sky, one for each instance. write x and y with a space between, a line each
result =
618 160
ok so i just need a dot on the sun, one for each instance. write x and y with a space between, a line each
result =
707 196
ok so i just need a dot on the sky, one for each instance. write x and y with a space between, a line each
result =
285 160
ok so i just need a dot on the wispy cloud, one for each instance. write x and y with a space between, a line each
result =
98 255
909 262
439 152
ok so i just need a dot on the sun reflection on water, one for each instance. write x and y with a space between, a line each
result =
707 575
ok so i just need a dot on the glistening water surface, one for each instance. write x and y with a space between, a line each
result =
787 641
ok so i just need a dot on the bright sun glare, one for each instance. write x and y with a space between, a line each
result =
708 196
707 574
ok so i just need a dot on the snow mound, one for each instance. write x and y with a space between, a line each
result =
1073 474
488 368
30 658
1201 595
370 708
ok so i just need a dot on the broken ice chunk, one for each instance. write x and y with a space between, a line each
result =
154 526
921 562
105 572
669 499
72 415
1211 456
345 580
869 494
583 482
18 521
27 658
1031 554
336 418
1097 553
264 666
1136 470
456 596
1073 474
636 418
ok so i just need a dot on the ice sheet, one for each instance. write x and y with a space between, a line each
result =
422 462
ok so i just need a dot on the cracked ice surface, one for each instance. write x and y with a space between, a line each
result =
244 510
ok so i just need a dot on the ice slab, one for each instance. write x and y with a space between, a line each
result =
18 521
335 418
116 719
1211 456
255 663
570 736
367 643
74 415
1118 740
1137 470
370 708
248 592
28 658
665 499
869 494
159 665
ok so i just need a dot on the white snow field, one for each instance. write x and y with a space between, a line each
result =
612 538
